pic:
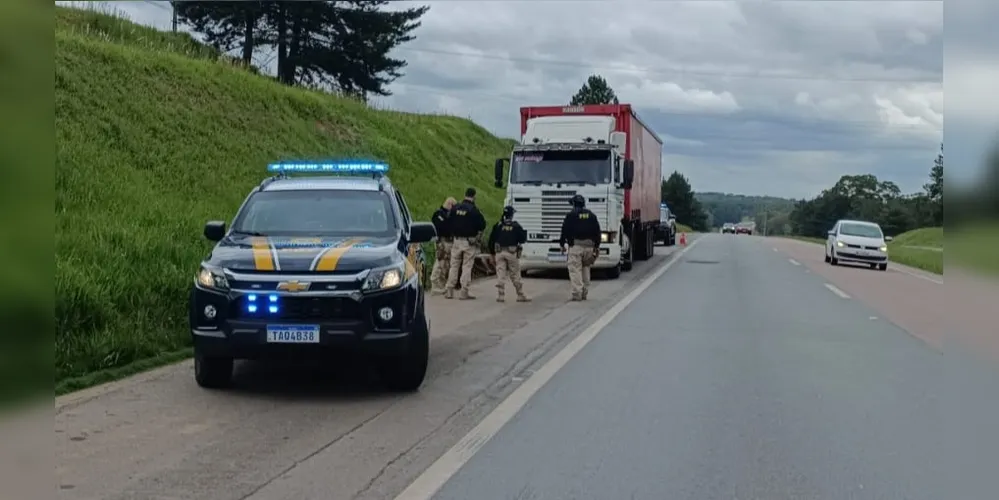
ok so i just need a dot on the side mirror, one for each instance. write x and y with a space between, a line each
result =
498 172
629 173
888 238
831 233
215 230
672 217
422 232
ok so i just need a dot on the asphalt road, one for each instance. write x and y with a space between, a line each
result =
745 372
303 433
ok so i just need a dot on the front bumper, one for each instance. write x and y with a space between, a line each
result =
871 257
347 322
536 256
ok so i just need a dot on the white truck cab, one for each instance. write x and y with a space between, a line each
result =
559 157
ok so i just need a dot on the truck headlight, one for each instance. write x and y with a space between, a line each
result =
884 248
213 278
839 244
383 279
606 237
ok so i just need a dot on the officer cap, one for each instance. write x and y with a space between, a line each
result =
577 201
508 211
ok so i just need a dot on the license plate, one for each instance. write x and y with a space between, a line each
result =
293 334
558 257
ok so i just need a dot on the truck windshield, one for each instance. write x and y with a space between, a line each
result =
561 167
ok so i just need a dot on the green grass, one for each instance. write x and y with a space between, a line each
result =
929 237
154 137
975 247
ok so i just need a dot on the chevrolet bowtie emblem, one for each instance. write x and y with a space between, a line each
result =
293 286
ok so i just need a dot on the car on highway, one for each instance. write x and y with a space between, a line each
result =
744 228
312 266
858 242
666 230
728 227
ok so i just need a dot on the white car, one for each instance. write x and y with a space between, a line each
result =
858 242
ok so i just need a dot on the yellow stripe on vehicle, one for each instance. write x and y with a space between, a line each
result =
331 257
263 258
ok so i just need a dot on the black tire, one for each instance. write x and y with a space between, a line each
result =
826 258
882 267
613 273
874 266
834 261
629 258
212 372
405 373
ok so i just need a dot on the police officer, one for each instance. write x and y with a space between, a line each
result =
581 231
467 225
506 242
442 262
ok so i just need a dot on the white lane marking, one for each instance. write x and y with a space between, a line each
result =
837 291
433 479
794 262
920 276
775 249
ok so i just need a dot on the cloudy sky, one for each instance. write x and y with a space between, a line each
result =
750 97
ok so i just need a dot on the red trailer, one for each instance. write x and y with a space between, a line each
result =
644 148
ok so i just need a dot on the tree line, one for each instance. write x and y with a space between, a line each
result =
340 46
866 197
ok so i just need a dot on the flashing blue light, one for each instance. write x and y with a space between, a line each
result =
251 297
273 298
251 308
273 309
339 166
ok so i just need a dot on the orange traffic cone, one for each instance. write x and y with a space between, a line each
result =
683 239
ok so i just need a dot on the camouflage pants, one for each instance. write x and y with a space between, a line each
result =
442 264
579 275
463 254
508 269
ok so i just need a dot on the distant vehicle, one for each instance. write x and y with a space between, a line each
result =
858 242
728 227
744 228
666 231
315 266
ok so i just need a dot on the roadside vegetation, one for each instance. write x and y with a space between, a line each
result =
156 134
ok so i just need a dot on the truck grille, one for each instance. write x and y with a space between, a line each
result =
545 214
554 206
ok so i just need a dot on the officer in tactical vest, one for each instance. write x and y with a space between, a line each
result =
581 232
442 262
467 225
506 242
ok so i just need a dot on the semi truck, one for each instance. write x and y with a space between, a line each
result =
604 153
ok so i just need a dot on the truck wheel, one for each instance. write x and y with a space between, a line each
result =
405 373
212 372
614 272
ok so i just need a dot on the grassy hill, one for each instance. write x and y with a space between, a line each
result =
155 134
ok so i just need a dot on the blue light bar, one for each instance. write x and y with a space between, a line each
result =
337 166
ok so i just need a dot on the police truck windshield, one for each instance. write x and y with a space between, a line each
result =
561 167
317 213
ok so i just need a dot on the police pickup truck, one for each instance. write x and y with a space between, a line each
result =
316 265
